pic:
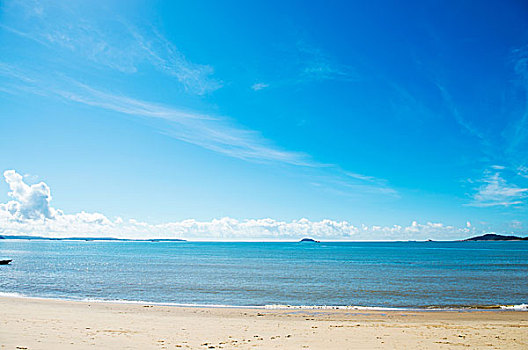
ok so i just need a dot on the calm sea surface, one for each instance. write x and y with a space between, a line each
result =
396 274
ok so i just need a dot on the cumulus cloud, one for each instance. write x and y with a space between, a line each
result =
30 213
30 201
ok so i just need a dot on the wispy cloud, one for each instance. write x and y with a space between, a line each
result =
452 107
117 44
259 86
212 132
164 55
317 65
215 133
505 149
305 63
519 140
496 191
522 171
85 94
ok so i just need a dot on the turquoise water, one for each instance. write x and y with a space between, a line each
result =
395 274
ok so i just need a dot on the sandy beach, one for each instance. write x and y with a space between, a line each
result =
53 324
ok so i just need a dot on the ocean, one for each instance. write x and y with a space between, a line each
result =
364 274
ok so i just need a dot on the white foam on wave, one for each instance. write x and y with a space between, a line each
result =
12 295
330 307
143 302
520 307
124 301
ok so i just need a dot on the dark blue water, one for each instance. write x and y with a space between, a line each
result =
396 274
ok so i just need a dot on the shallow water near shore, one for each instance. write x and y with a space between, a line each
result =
371 274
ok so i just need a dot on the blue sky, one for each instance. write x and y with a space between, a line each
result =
398 122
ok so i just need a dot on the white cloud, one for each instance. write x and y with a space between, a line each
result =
30 202
496 191
259 86
30 213
522 171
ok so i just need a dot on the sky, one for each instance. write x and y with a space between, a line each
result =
207 120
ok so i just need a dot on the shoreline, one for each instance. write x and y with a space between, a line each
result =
33 323
469 308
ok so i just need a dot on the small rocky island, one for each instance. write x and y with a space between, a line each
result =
309 240
495 237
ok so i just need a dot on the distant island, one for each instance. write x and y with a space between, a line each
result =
495 237
309 240
486 237
93 239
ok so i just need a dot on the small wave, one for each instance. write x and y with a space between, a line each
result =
520 307
124 301
331 307
12 295
143 302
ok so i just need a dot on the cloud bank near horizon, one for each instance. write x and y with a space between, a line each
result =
29 212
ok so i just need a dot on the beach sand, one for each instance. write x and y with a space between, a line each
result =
53 324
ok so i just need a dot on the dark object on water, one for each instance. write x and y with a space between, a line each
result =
494 237
5 262
309 240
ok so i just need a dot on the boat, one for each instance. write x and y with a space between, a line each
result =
5 262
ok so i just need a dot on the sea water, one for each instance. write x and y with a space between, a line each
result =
371 274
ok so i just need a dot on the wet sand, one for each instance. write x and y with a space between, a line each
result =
54 324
